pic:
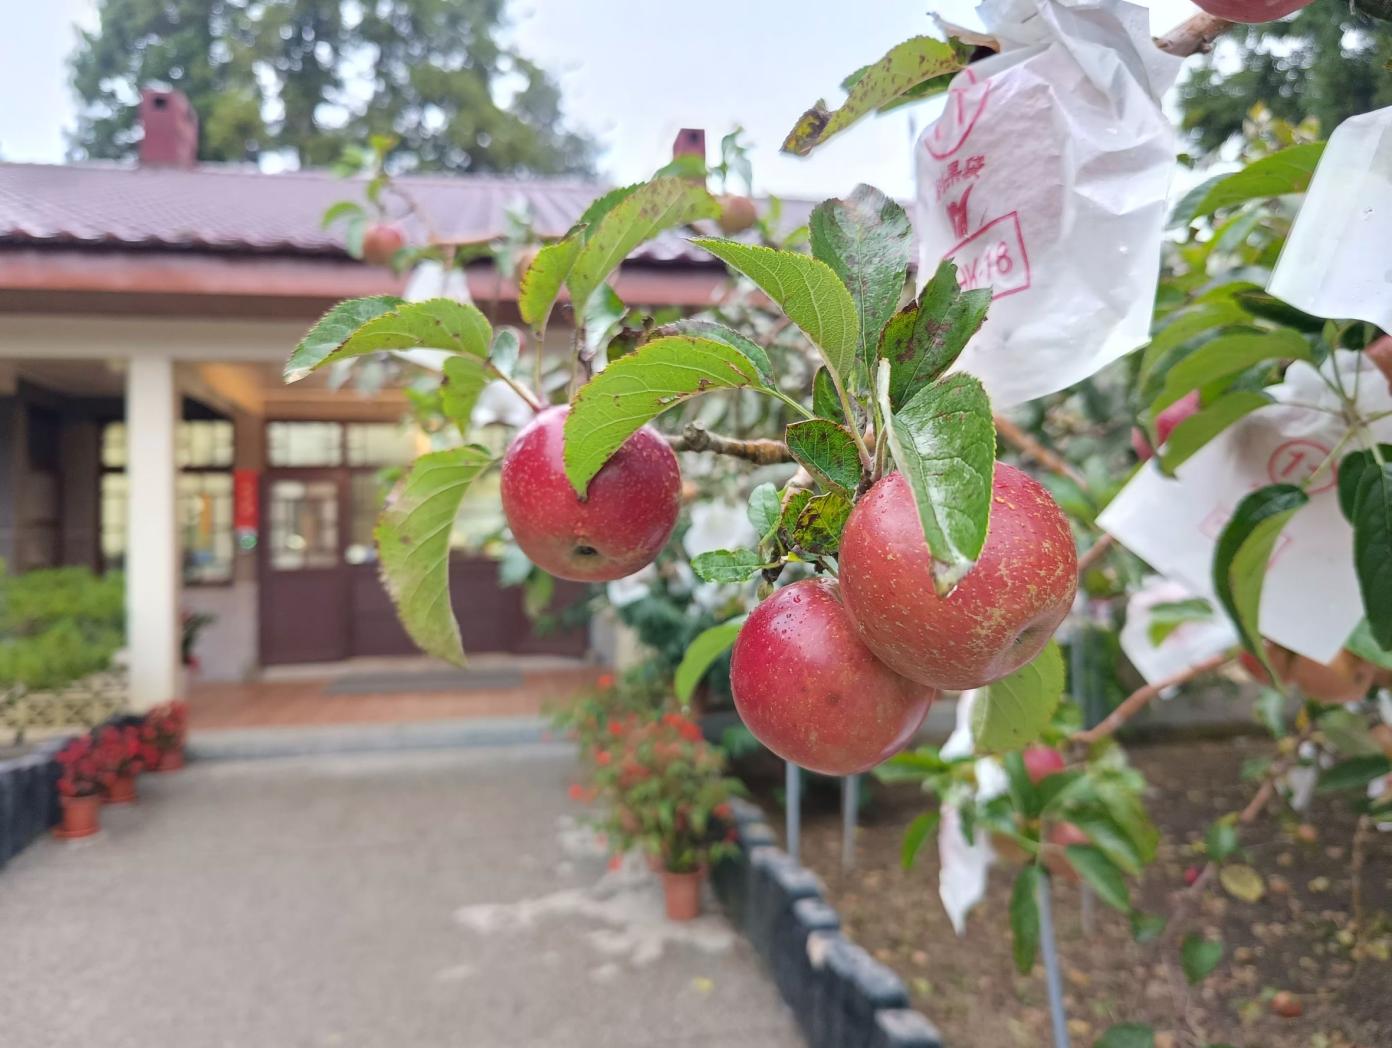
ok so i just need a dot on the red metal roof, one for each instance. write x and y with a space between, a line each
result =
239 209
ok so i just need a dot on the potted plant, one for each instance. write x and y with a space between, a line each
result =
124 754
164 731
81 782
668 795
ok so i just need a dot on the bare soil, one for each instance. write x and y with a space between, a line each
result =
1299 937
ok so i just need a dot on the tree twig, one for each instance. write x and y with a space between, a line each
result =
1031 448
1141 697
1095 552
696 437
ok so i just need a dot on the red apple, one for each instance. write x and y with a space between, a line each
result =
1379 351
1065 833
997 618
1041 762
380 243
1165 422
1287 1005
811 692
625 518
737 213
1251 11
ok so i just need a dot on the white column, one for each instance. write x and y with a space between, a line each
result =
152 547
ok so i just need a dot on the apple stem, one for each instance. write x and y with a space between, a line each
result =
1141 697
522 391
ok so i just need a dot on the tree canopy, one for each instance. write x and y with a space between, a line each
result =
1327 62
307 77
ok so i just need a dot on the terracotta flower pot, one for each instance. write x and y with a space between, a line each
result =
81 817
171 760
683 891
121 790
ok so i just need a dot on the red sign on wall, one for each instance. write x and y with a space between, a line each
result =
246 500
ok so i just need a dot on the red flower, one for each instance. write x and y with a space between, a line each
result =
603 758
605 681
577 792
615 861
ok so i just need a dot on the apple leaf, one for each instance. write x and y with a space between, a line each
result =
1241 554
1202 426
825 402
1279 174
1147 927
1227 355
904 68
1361 642
807 290
820 519
1102 831
464 381
1199 956
704 649
727 565
333 329
1024 917
765 507
756 353
1354 773
867 241
505 350
638 387
638 216
436 323
828 451
1127 1035
944 442
1221 842
1099 871
413 539
925 338
1372 548
1187 325
1350 477
1013 711
915 835
542 281
601 206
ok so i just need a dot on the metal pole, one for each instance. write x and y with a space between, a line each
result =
792 809
1049 948
850 805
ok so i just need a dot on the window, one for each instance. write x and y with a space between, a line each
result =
204 454
304 444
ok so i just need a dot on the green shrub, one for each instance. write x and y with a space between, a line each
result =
58 625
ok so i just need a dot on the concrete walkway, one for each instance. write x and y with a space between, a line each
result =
430 899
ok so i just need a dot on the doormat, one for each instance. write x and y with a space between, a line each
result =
428 680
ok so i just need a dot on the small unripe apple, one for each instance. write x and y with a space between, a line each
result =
737 213
620 525
999 616
380 243
1379 351
810 691
1287 1005
1165 422
1041 762
1065 833
1251 11
1346 679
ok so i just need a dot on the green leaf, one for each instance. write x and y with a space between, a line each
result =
924 339
542 281
1127 1035
1242 882
437 323
1027 797
1146 927
341 209
1199 956
727 565
944 442
1106 835
601 206
413 538
720 333
1187 325
806 289
765 507
1024 917
828 451
640 215
1361 643
505 350
464 381
537 591
819 523
335 328
1372 549
1269 307
825 403
1350 476
1221 841
905 67
1278 174
1227 355
638 387
1168 616
1354 773
704 649
1094 867
867 241
1016 709
1240 557
603 319
915 835
1202 426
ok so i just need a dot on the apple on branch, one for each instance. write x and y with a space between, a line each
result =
380 243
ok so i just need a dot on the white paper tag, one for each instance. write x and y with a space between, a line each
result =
1187 644
1337 261
1310 601
1045 179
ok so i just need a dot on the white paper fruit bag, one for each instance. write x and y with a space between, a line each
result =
1159 646
1310 599
1337 261
1045 179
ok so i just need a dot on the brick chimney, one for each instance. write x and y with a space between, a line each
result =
171 129
690 141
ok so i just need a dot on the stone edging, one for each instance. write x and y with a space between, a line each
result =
28 797
840 995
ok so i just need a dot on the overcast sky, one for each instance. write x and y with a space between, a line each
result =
632 72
